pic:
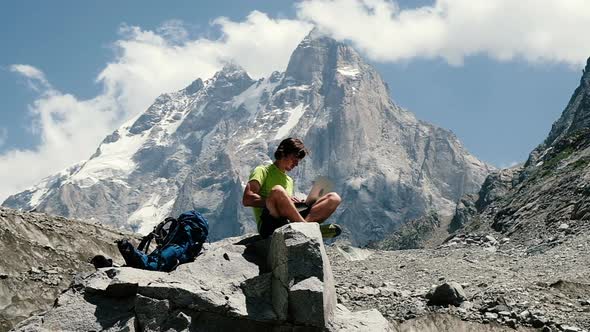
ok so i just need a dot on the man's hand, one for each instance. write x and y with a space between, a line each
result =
295 199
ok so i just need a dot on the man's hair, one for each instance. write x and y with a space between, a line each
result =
291 146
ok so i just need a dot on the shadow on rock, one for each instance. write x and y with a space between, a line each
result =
111 312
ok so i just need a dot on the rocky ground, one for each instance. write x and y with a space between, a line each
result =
237 284
504 283
507 284
39 256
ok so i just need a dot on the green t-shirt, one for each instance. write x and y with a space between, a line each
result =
269 176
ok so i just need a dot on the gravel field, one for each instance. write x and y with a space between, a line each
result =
503 284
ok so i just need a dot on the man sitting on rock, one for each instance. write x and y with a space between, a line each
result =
269 192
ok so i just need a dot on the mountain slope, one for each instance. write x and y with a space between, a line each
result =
546 201
195 149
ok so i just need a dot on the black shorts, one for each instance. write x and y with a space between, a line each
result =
268 223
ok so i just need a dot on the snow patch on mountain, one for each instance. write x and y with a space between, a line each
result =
115 161
175 112
151 213
294 116
348 71
40 191
250 99
254 137
38 194
301 87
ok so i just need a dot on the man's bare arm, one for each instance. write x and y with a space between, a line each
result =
252 195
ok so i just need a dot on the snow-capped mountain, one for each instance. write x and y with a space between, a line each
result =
195 148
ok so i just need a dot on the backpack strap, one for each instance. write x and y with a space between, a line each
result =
172 232
144 245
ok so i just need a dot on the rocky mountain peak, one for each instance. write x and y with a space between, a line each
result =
231 80
586 73
317 58
194 87
576 115
232 71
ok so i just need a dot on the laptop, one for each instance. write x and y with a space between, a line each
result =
321 186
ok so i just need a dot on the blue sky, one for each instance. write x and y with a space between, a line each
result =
496 73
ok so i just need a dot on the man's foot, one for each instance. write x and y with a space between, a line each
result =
330 230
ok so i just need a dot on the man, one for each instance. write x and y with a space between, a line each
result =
269 192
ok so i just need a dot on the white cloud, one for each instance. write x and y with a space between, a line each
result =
34 76
69 129
173 31
534 30
146 64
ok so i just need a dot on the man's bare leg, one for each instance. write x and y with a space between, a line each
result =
323 208
279 204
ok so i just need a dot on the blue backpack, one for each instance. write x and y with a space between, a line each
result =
178 241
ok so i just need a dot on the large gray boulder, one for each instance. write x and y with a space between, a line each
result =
281 284
302 281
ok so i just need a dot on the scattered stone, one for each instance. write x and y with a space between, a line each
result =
525 314
447 293
467 305
352 253
538 321
490 315
491 239
501 308
491 249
